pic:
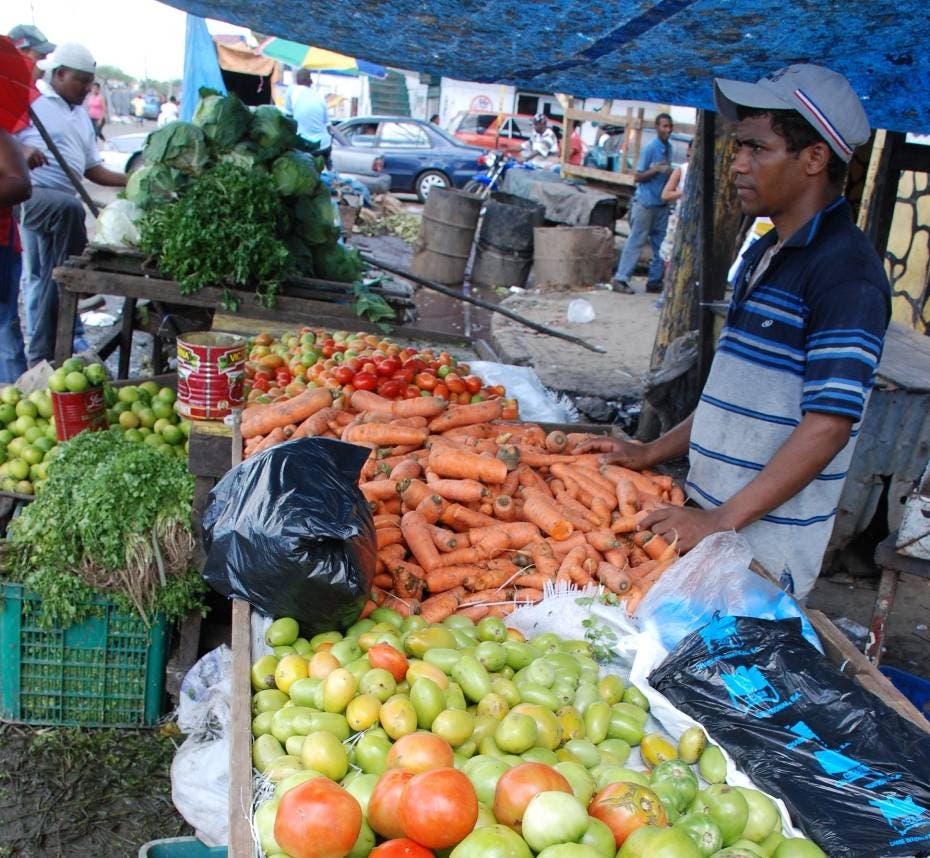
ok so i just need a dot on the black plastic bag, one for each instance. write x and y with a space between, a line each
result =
854 774
290 533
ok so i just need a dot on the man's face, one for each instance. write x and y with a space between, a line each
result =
72 85
767 176
541 126
663 129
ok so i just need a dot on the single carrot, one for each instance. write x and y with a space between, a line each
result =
601 510
539 459
436 608
628 523
474 612
413 491
529 595
414 528
614 579
511 484
275 436
460 464
501 611
652 543
475 431
484 579
387 521
404 607
488 547
421 406
384 581
385 434
391 506
627 497
541 511
406 469
633 597
388 536
520 533
638 556
504 508
561 547
535 580
577 513
442 578
377 417
615 473
544 560
379 489
574 558
264 418
620 557
459 491
447 540
409 568
465 415
495 594
603 540
406 583
461 518
367 608
556 441
529 479
392 554
431 508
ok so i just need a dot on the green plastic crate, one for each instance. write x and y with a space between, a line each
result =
107 671
181 847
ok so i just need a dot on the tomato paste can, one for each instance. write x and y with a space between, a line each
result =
211 373
75 412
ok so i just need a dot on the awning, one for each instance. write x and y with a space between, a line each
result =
665 51
309 57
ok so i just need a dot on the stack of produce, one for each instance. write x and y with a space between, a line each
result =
279 369
466 737
474 516
113 517
28 438
234 200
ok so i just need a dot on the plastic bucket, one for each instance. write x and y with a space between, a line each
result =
211 370
75 412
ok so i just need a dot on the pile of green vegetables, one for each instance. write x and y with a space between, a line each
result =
113 517
235 200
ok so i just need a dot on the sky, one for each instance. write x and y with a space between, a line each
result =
142 37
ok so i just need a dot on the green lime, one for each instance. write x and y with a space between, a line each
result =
146 417
32 455
133 435
160 424
50 432
39 472
155 440
73 364
151 387
56 381
96 374
44 443
120 407
16 446
162 409
76 381
145 431
32 434
25 408
7 413
24 487
138 406
21 424
128 420
18 469
167 394
5 437
9 395
185 428
173 435
8 484
128 394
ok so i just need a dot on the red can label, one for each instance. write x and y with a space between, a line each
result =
211 373
75 412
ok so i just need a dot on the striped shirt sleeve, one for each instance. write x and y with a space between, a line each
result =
846 330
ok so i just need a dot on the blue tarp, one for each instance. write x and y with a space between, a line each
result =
665 51
201 67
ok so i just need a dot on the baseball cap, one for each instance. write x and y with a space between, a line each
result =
823 97
540 117
70 55
27 37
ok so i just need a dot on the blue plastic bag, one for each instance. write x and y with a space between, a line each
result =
714 580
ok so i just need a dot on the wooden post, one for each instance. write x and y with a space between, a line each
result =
64 330
709 290
240 738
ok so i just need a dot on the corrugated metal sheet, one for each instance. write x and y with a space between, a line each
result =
665 51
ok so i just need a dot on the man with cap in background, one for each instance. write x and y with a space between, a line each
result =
31 41
773 434
52 220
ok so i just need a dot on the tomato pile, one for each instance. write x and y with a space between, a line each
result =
282 368
403 738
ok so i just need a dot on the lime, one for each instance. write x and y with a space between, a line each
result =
41 423
32 434
109 395
133 435
9 395
155 440
167 394
25 408
128 420
18 469
52 454
146 416
144 395
128 394
173 435
162 409
32 455
145 431
50 432
5 437
7 413
44 443
76 381
21 424
16 446
151 387
112 417
120 407
138 406
38 485
160 424
23 487
56 381
45 406
8 484
96 374
185 428
73 364
34 472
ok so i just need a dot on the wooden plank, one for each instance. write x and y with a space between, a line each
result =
209 450
905 359
64 329
240 727
607 176
616 119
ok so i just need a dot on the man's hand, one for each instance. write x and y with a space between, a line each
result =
34 157
687 524
628 454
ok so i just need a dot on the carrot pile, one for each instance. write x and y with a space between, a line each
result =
475 516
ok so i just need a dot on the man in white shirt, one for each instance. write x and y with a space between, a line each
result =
168 112
309 110
52 220
542 146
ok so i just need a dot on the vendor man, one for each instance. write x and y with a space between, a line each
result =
771 440
52 220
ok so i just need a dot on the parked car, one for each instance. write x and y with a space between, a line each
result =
152 107
359 163
123 154
418 155
504 131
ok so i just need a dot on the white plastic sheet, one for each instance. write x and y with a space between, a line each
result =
537 402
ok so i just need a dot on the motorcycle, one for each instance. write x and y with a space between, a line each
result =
496 165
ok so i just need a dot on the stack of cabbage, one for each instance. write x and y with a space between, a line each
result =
234 200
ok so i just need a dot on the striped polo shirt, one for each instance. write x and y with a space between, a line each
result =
806 337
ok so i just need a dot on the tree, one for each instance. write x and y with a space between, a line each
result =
112 73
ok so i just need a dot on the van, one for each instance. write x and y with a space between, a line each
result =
504 131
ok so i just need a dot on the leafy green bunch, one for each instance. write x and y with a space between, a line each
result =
114 517
225 231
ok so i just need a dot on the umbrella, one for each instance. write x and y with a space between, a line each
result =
308 57
16 88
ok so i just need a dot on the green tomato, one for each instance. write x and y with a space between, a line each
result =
703 831
492 841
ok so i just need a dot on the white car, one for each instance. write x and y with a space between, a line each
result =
123 154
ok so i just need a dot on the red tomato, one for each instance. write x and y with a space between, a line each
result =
472 383
365 381
260 383
400 848
454 383
317 819
518 785
438 808
355 364
464 398
624 807
498 390
415 364
344 374
384 804
404 375
388 367
412 392
390 659
446 359
442 390
420 752
425 381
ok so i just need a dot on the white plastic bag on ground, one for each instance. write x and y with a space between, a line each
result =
200 769
537 402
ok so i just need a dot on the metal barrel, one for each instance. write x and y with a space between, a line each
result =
446 234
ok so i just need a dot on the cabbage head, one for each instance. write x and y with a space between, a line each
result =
224 120
152 186
315 219
118 225
272 131
244 154
337 262
179 145
295 174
